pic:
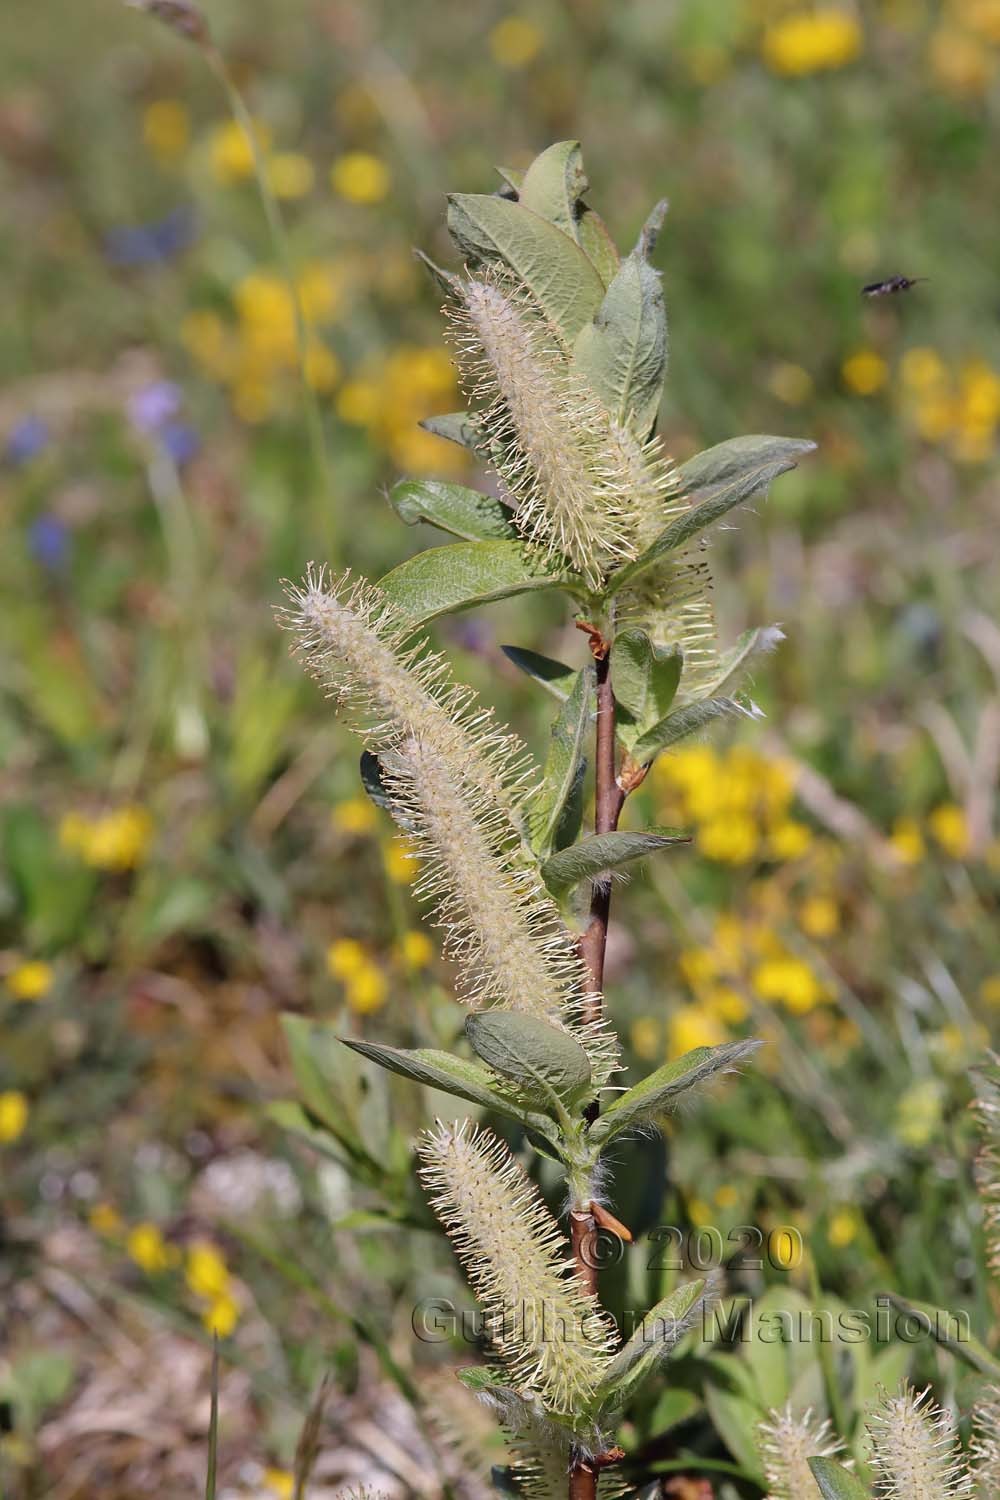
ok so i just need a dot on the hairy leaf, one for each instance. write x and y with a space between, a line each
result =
660 1091
459 427
600 852
562 766
443 580
682 722
948 1331
550 265
454 508
733 663
714 482
622 353
554 676
554 183
645 680
835 1482
538 1057
598 245
655 1336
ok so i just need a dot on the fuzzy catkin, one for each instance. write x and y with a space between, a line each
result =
987 1111
913 1450
985 1447
786 1442
547 1328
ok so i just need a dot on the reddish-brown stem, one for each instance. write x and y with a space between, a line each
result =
609 798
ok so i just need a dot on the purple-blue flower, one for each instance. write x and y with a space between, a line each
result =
48 538
154 407
28 438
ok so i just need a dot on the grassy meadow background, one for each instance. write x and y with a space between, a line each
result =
186 850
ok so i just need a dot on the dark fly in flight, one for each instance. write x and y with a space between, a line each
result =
893 284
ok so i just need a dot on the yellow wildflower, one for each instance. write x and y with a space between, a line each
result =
359 402
693 1026
697 966
789 840
948 826
790 384
819 916
320 286
918 1113
699 1212
281 1482
367 990
401 864
726 1196
345 958
206 1272
290 174
322 368
166 129
728 1004
105 1219
811 42
267 314
646 1037
843 1228
360 177
31 980
515 42
864 372
907 841
13 1115
231 150
115 840
208 340
147 1247
788 981
731 841
416 950
922 368
959 61
355 815
221 1316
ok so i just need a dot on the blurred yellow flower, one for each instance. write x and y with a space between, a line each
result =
359 402
231 150
322 368
416 950
843 1228
290 174
989 990
699 1212
206 1272
812 41
726 1196
320 286
209 341
166 129
788 981
31 980
789 840
693 1026
948 826
105 1219
983 16
117 840
960 61
918 1113
907 841
732 841
646 1038
13 1115
728 1004
221 1316
360 177
367 990
819 916
697 966
515 42
267 314
922 368
345 958
790 383
401 864
146 1246
355 815
864 372
281 1482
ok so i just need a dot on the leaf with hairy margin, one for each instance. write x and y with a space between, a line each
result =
444 580
554 676
459 427
659 1092
553 185
682 722
655 1336
645 679
835 1482
540 1059
453 508
562 765
601 852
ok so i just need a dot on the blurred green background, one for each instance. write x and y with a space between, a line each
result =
186 851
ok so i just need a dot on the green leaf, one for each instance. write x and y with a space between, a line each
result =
445 281
600 852
212 1464
735 1419
562 766
714 482
598 245
645 680
541 1059
948 1331
550 265
553 185
554 676
682 722
835 1482
316 1064
459 427
734 662
622 353
453 1075
512 176
661 1089
454 508
443 580
290 1117
655 1336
